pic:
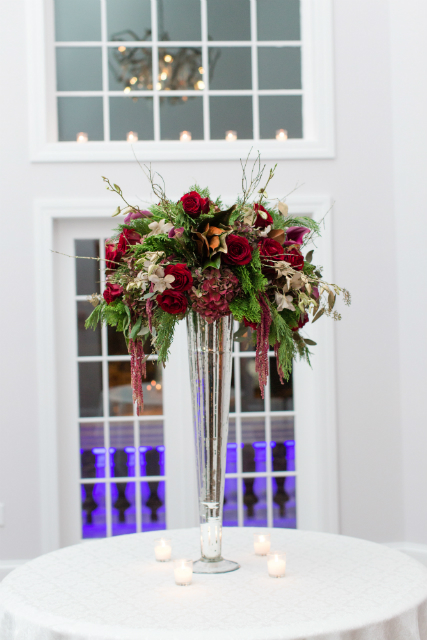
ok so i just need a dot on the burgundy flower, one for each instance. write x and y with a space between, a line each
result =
193 204
260 221
295 235
128 237
301 322
134 215
295 259
248 323
112 292
176 232
239 250
183 278
112 256
270 250
172 301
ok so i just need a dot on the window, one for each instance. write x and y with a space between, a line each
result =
212 75
260 474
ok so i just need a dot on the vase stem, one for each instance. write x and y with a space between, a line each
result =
210 348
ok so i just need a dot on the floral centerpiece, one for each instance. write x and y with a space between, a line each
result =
248 260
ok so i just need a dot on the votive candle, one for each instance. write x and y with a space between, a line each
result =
185 136
162 550
183 572
281 134
132 136
276 565
261 543
82 137
230 136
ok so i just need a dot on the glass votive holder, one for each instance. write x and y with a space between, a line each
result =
276 564
230 136
281 134
185 136
261 544
132 136
162 550
82 137
183 572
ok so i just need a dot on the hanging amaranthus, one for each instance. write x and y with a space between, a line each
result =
263 345
138 370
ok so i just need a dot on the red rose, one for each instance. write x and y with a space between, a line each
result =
295 259
270 250
112 256
239 250
261 222
248 323
301 322
183 278
172 301
194 204
112 292
128 237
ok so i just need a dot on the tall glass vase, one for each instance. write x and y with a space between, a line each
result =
210 353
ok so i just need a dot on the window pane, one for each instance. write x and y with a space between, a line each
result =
121 403
282 444
230 503
92 451
247 344
153 506
78 69
179 69
131 114
130 69
80 114
278 19
231 464
116 342
77 20
87 271
231 113
93 511
122 450
284 503
153 389
179 19
90 389
230 68
129 19
181 114
280 112
254 502
281 394
279 67
89 341
123 512
250 391
151 433
229 20
253 439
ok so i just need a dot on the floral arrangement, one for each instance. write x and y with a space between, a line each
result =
195 256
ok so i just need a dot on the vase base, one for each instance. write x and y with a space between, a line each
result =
221 566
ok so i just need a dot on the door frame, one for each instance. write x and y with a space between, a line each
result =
315 401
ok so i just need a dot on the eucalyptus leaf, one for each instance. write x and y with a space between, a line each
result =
331 300
318 314
144 331
126 323
310 342
136 327
213 262
149 295
309 256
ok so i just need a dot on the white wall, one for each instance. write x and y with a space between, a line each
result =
361 179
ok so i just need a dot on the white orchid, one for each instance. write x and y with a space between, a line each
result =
159 227
264 233
160 281
284 302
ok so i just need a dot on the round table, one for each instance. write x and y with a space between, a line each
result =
336 588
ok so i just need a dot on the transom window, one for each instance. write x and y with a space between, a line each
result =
179 70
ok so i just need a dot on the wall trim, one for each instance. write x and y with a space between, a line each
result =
321 487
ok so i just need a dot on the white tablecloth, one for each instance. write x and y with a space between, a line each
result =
336 588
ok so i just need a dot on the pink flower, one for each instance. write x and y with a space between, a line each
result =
294 235
176 232
134 215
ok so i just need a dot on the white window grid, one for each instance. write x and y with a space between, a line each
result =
107 419
204 44
266 415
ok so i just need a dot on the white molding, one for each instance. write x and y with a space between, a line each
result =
319 492
318 105
416 551
7 566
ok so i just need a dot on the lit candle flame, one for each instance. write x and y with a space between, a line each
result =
281 134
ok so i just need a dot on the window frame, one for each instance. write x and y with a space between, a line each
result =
318 103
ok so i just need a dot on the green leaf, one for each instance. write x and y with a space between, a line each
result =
126 323
310 342
136 327
213 262
222 217
331 300
318 314
149 295
240 332
116 212
309 256
116 186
